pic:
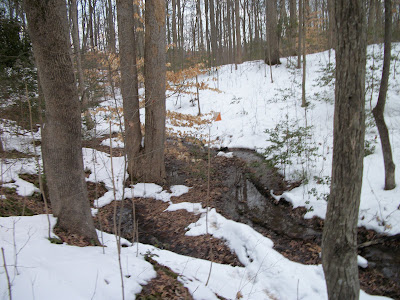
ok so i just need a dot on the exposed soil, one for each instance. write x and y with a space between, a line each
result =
13 204
165 230
164 286
239 190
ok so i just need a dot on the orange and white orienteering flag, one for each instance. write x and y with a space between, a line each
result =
217 116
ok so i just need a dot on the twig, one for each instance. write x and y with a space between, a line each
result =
8 277
95 285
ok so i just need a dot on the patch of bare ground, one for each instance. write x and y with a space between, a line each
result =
13 204
187 164
165 230
164 286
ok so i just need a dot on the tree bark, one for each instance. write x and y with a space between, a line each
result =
200 26
228 25
174 37
154 72
300 28
1 144
339 240
303 84
64 164
206 9
379 109
272 53
331 22
111 28
78 56
90 26
214 45
292 26
129 86
238 37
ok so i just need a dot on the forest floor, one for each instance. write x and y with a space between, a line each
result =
251 205
187 164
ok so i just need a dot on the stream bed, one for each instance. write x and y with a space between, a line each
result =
249 202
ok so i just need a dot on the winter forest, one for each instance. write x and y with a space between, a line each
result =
199 149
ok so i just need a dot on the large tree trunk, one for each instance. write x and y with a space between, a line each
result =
154 74
64 164
129 86
379 109
272 52
339 240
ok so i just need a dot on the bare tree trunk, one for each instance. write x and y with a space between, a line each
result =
1 143
84 26
303 85
78 57
228 16
245 44
154 72
379 22
219 33
379 109
90 25
139 31
331 17
169 33
77 52
214 45
339 240
207 32
65 174
200 26
233 32
180 33
238 37
371 21
272 57
250 30
129 86
174 37
292 26
111 28
300 28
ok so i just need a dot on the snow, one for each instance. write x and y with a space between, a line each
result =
115 143
39 269
223 154
249 104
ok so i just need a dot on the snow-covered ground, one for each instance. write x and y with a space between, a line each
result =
249 104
